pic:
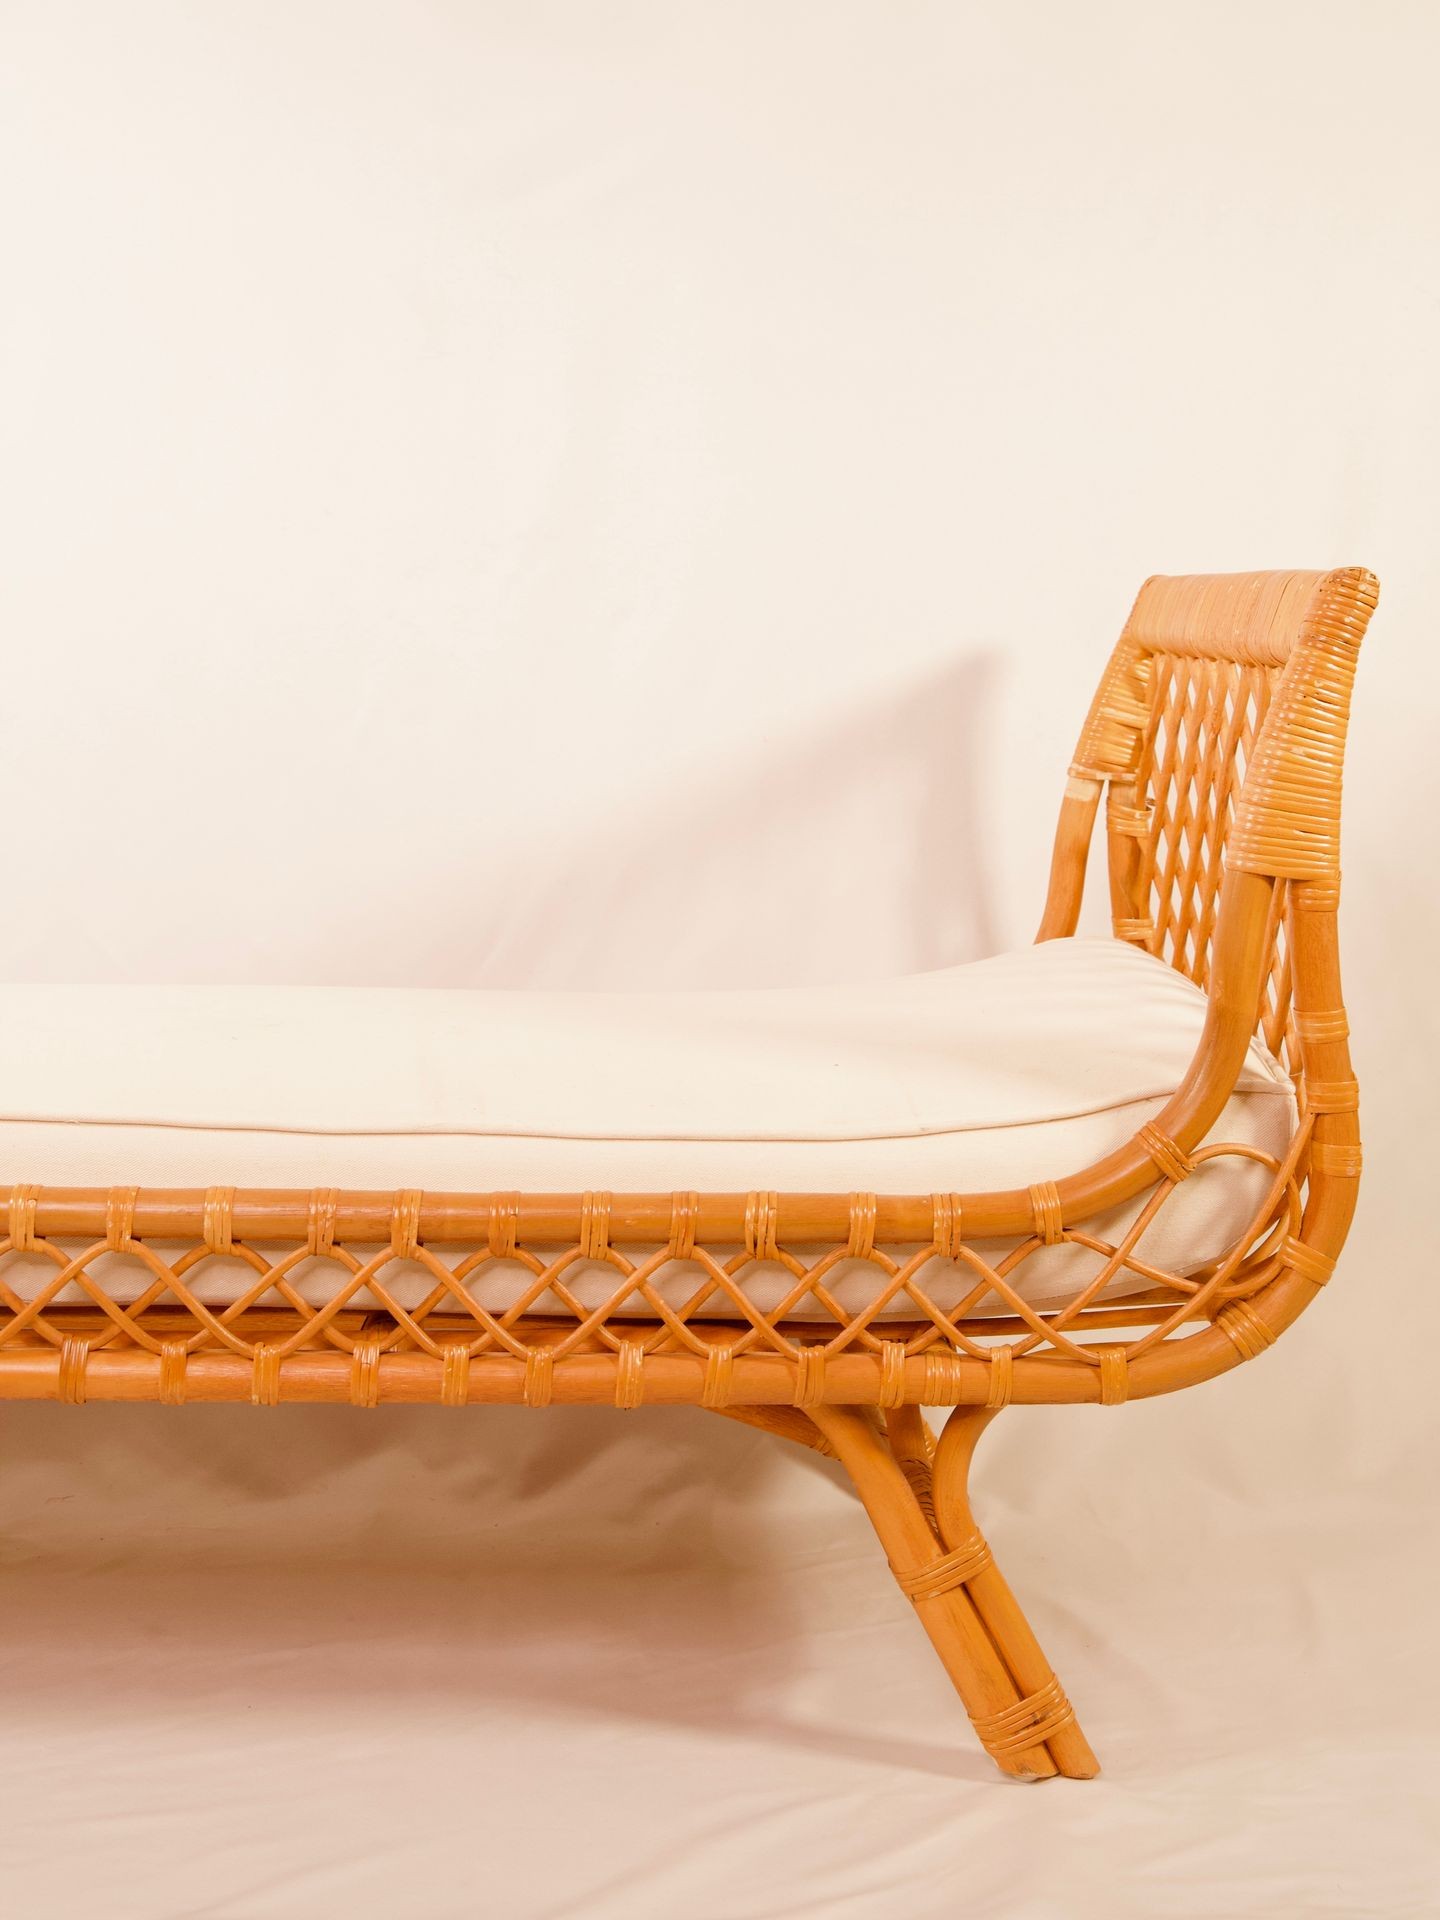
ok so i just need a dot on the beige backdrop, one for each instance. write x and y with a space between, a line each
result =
640 494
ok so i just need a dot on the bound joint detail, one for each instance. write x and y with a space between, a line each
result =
810 1376
892 1374
1339 1160
1332 1096
120 1217
719 1376
948 1230
1114 1375
951 1570
1133 821
1045 1212
629 1375
861 1243
405 1223
265 1376
365 1374
942 1378
1317 1267
1140 933
218 1230
74 1358
23 1202
455 1380
761 1220
539 1377
1029 1723
174 1357
1000 1383
1250 1334
1171 1158
595 1226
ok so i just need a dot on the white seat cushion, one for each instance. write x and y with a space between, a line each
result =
998 1074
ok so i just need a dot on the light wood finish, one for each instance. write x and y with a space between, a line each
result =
937 1590
1215 741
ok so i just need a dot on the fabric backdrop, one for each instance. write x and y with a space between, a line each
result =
640 495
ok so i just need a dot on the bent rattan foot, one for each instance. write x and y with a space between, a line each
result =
945 1568
994 1601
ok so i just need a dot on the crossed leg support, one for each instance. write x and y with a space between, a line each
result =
919 1505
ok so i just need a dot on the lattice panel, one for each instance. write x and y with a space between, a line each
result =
1204 718
124 1293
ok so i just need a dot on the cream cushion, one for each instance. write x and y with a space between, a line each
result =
998 1074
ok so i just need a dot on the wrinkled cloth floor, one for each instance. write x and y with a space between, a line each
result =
299 1662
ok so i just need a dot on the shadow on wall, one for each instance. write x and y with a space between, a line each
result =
580 1566
853 851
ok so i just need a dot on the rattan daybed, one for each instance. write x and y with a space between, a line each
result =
1096 1170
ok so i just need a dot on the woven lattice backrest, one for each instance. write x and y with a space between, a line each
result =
1215 675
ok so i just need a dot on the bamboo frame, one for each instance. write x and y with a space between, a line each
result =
1216 740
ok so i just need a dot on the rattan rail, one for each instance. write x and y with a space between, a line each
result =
1216 741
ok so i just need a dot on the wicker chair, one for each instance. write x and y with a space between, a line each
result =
135 1273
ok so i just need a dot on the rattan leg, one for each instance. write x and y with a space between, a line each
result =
786 1423
935 1584
913 1445
996 1604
